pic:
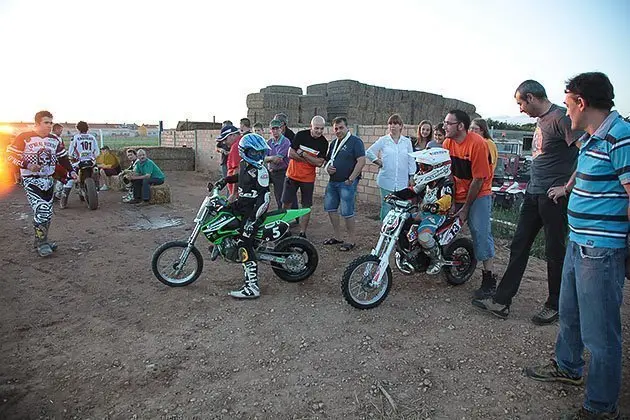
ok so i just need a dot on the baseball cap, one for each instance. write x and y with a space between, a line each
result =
226 131
275 123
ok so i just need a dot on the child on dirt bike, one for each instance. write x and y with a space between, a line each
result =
434 186
252 204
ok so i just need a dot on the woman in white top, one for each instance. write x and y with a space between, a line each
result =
391 154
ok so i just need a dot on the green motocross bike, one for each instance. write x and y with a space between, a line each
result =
292 258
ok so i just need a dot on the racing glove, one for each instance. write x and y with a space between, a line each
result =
431 208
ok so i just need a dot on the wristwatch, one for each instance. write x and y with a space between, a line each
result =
300 153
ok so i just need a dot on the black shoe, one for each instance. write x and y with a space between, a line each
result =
584 414
551 372
488 286
497 309
545 316
302 235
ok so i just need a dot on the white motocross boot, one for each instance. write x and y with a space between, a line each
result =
250 289
436 260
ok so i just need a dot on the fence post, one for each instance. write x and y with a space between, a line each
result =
160 127
195 165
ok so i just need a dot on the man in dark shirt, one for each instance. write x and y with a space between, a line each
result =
554 155
346 159
307 152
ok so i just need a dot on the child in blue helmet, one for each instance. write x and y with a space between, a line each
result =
252 204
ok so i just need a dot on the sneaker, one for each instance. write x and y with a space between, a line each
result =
488 286
248 291
488 304
551 372
545 316
134 201
302 235
584 414
104 188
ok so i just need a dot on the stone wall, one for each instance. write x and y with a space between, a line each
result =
358 102
167 158
209 161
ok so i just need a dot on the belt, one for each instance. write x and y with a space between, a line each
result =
36 176
277 170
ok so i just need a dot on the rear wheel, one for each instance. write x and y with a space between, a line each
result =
168 267
90 193
301 259
462 254
355 283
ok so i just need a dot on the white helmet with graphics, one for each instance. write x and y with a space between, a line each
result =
434 163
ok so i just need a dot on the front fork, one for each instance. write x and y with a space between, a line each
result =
201 216
388 242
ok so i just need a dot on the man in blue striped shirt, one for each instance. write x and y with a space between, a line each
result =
594 266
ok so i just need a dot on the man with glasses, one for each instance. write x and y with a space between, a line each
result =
593 272
473 194
307 152
554 154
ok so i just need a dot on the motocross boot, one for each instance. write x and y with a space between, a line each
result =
250 289
41 240
36 243
63 199
436 260
488 285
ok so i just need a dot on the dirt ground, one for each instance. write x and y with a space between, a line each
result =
90 333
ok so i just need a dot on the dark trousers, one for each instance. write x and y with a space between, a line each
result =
141 187
538 212
277 180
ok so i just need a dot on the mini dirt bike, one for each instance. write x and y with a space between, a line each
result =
368 279
292 258
86 185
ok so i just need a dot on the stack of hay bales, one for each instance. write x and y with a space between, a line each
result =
262 106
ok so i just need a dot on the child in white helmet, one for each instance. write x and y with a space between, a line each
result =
434 186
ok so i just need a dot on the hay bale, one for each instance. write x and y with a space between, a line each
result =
160 194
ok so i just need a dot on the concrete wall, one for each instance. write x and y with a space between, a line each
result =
208 160
167 158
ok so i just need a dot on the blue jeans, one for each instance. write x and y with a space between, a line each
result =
385 208
481 227
143 186
591 294
338 194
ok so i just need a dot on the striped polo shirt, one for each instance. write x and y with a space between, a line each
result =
598 205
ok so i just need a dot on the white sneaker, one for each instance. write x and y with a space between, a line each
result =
248 291
104 188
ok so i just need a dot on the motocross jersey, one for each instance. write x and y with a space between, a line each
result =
438 192
253 191
29 148
84 147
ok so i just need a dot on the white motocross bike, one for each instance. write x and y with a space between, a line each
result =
368 279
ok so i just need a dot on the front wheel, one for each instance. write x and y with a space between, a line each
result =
90 193
355 283
301 259
462 254
173 267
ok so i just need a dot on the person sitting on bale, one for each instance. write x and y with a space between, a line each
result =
108 166
147 173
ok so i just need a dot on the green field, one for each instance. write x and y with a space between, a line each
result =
504 231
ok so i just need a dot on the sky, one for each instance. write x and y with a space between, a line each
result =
143 61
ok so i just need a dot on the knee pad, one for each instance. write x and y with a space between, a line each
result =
425 239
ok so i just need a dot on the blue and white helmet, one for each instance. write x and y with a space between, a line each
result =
253 148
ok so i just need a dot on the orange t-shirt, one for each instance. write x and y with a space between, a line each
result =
469 160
